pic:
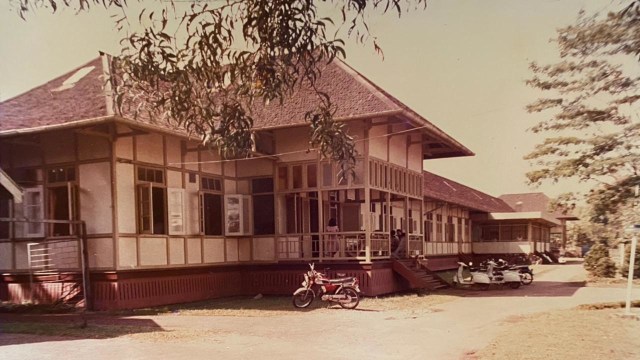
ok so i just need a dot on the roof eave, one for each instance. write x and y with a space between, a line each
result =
458 149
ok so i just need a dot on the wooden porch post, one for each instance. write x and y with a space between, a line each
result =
530 237
367 196
406 225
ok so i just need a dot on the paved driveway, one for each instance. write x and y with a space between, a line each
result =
447 332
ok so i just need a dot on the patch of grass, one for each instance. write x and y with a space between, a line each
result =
596 281
569 334
28 308
268 306
73 330
608 305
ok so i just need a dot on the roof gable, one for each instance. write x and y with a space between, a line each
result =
76 95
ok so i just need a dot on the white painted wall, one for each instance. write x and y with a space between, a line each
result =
60 147
176 251
378 142
244 249
232 249
398 147
124 148
502 247
100 252
191 157
95 197
210 162
356 129
194 251
253 168
264 249
174 151
93 147
294 140
213 250
150 148
153 251
127 253
415 155
126 198
174 179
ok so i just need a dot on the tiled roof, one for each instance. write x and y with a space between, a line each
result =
440 188
528 201
55 103
58 103
352 97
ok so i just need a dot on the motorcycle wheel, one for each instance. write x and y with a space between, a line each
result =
526 278
349 292
303 299
514 284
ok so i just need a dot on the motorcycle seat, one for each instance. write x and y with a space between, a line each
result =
341 280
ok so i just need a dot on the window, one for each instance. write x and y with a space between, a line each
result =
150 175
211 184
211 214
461 233
450 229
263 206
439 236
428 228
211 206
61 200
61 175
33 209
312 176
297 176
283 178
490 233
151 209
152 204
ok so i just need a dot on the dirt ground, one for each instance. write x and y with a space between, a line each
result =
455 325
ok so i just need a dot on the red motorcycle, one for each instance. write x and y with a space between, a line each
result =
344 291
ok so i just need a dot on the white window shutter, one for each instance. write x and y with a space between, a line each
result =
176 211
33 209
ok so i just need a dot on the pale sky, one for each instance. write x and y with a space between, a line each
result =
459 63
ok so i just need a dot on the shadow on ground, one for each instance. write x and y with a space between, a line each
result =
68 327
537 288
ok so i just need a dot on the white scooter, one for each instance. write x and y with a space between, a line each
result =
483 279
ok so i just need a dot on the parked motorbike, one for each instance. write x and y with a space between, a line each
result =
484 279
344 291
525 272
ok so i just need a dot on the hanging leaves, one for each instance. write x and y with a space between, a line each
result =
201 66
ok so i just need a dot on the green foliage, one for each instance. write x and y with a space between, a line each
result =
605 267
597 252
590 95
203 65
625 266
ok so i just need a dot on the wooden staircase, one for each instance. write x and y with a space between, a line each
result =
417 274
